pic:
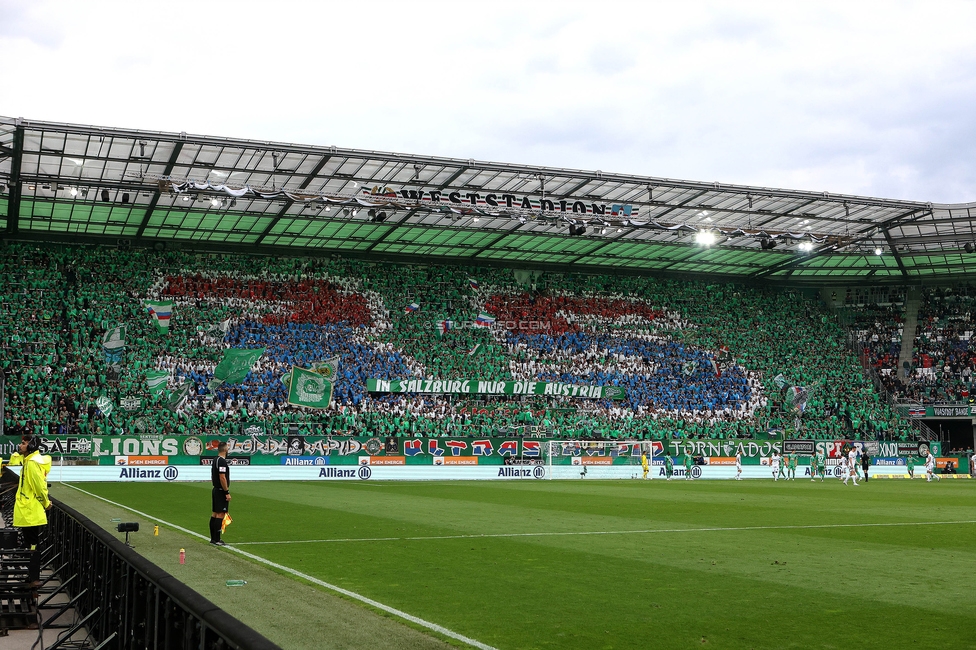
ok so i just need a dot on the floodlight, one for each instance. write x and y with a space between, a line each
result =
105 196
767 244
806 246
74 191
705 237
969 247
355 212
603 231
186 198
125 197
215 202
328 208
878 251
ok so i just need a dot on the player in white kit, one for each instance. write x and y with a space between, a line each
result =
930 468
774 464
738 465
850 466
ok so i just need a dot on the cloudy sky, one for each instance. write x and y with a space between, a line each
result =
863 98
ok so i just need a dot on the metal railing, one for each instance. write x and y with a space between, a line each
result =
131 602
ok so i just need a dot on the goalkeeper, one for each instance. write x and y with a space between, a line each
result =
644 464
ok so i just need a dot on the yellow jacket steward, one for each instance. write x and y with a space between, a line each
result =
32 500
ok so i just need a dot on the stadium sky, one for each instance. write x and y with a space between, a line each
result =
862 98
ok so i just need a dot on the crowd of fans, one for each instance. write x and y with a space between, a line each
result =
943 358
694 359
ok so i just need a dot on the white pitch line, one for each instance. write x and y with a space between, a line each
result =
345 592
602 532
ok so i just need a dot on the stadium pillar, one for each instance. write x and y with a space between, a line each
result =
16 191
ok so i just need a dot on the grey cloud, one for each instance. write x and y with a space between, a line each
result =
27 20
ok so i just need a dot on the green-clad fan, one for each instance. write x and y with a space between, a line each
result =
689 463
668 466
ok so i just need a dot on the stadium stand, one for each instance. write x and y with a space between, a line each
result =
695 359
942 359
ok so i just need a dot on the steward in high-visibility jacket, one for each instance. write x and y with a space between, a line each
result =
32 502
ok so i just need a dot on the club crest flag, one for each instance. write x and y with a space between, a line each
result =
113 345
156 381
309 389
161 312
104 405
327 368
235 365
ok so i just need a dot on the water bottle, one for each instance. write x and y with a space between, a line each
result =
236 583
182 556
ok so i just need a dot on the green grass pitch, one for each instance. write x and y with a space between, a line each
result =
621 564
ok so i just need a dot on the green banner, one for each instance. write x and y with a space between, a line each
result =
485 387
941 411
309 389
235 365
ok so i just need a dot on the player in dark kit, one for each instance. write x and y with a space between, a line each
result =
220 477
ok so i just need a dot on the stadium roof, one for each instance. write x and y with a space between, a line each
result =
66 182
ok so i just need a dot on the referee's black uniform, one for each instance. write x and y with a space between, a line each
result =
220 466
865 465
219 504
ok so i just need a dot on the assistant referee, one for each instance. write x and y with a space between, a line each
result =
220 477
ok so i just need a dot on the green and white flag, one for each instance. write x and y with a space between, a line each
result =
327 368
161 312
178 396
475 350
113 345
223 327
286 380
309 389
235 365
689 368
156 381
104 405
